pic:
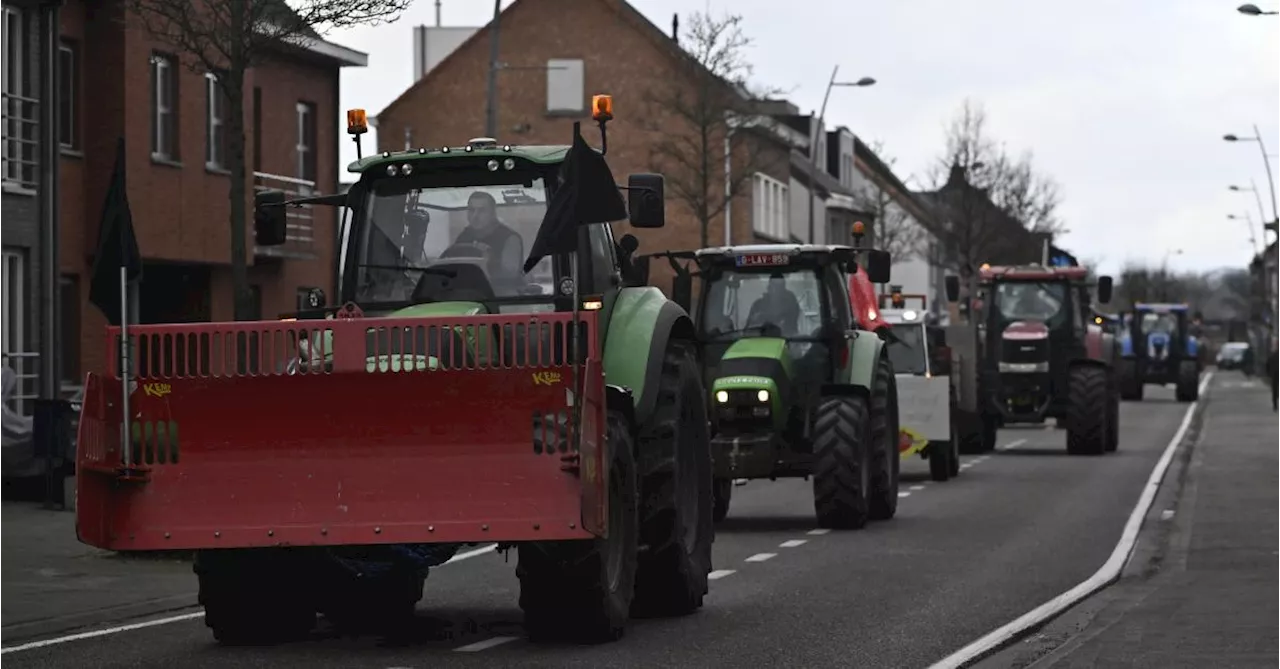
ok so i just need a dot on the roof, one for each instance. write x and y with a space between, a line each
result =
549 153
789 249
827 185
904 197
1033 272
309 40
634 18
1160 306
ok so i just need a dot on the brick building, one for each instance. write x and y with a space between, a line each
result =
117 81
555 55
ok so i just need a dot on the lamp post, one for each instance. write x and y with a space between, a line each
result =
1248 224
1251 9
1266 162
1164 273
1253 188
817 128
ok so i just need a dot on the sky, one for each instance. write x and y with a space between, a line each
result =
1122 102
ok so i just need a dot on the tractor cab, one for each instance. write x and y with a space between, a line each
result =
1159 348
916 345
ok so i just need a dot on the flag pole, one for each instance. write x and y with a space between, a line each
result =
126 438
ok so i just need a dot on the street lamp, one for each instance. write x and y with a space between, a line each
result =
817 128
1253 188
1266 162
1248 224
1252 10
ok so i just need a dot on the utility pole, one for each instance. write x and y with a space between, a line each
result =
50 418
491 97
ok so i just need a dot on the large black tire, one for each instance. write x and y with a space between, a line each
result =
1188 388
1113 420
1087 414
723 495
1131 387
883 454
582 590
383 604
252 597
677 525
990 433
953 461
841 463
940 460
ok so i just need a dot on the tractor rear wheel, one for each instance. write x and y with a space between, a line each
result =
885 463
841 464
582 590
677 527
383 603
252 597
1087 414
940 460
1131 386
953 454
723 495
1188 389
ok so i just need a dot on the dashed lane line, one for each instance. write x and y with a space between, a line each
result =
917 487
792 543
818 532
721 573
1013 444
761 557
485 645
904 494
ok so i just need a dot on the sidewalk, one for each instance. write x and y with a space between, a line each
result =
1202 590
53 584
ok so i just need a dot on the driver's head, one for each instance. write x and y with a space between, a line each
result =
777 284
482 210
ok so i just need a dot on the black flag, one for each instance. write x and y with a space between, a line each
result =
117 245
587 194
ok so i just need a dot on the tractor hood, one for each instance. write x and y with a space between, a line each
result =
757 363
1158 345
398 361
431 309
1025 331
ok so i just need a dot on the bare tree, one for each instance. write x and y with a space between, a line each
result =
894 230
976 231
226 38
708 99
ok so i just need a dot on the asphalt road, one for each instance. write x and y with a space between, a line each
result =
1018 527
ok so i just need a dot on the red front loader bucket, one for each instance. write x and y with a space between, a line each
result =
397 431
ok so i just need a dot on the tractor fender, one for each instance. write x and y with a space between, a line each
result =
642 323
860 373
1098 345
619 399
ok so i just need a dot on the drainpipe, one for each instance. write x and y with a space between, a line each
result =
50 421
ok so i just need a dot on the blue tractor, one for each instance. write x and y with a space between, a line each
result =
1157 347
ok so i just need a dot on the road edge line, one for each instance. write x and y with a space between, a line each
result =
1109 572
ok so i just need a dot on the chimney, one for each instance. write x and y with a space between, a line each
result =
956 177
675 28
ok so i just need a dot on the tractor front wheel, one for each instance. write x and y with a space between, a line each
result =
940 460
841 464
678 526
1188 388
252 597
582 590
723 495
885 463
1087 413
1131 386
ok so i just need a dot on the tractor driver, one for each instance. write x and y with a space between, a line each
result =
778 306
492 239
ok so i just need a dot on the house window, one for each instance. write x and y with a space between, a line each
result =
20 122
164 106
257 129
69 305
566 86
69 70
215 112
14 326
306 141
771 207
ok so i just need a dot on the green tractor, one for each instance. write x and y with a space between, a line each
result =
488 375
796 389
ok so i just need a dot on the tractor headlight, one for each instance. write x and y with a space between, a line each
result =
722 396
763 396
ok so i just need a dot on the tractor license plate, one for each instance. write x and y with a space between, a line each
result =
763 259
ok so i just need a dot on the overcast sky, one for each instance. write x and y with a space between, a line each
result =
1123 102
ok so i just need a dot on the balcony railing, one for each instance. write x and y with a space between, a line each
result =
21 124
26 371
299 239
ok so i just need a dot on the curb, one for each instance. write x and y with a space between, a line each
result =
1110 571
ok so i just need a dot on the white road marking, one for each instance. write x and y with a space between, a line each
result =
761 557
917 487
818 532
484 645
721 573
966 465
1109 571
904 494
1166 514
177 619
792 543
1013 444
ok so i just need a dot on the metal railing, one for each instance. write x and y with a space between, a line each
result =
26 370
299 239
21 124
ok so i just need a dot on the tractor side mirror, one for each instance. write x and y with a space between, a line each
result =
270 220
1104 289
314 299
953 288
646 200
682 290
879 266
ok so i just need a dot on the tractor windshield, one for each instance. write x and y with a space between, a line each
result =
408 227
1164 323
1046 302
907 349
761 303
